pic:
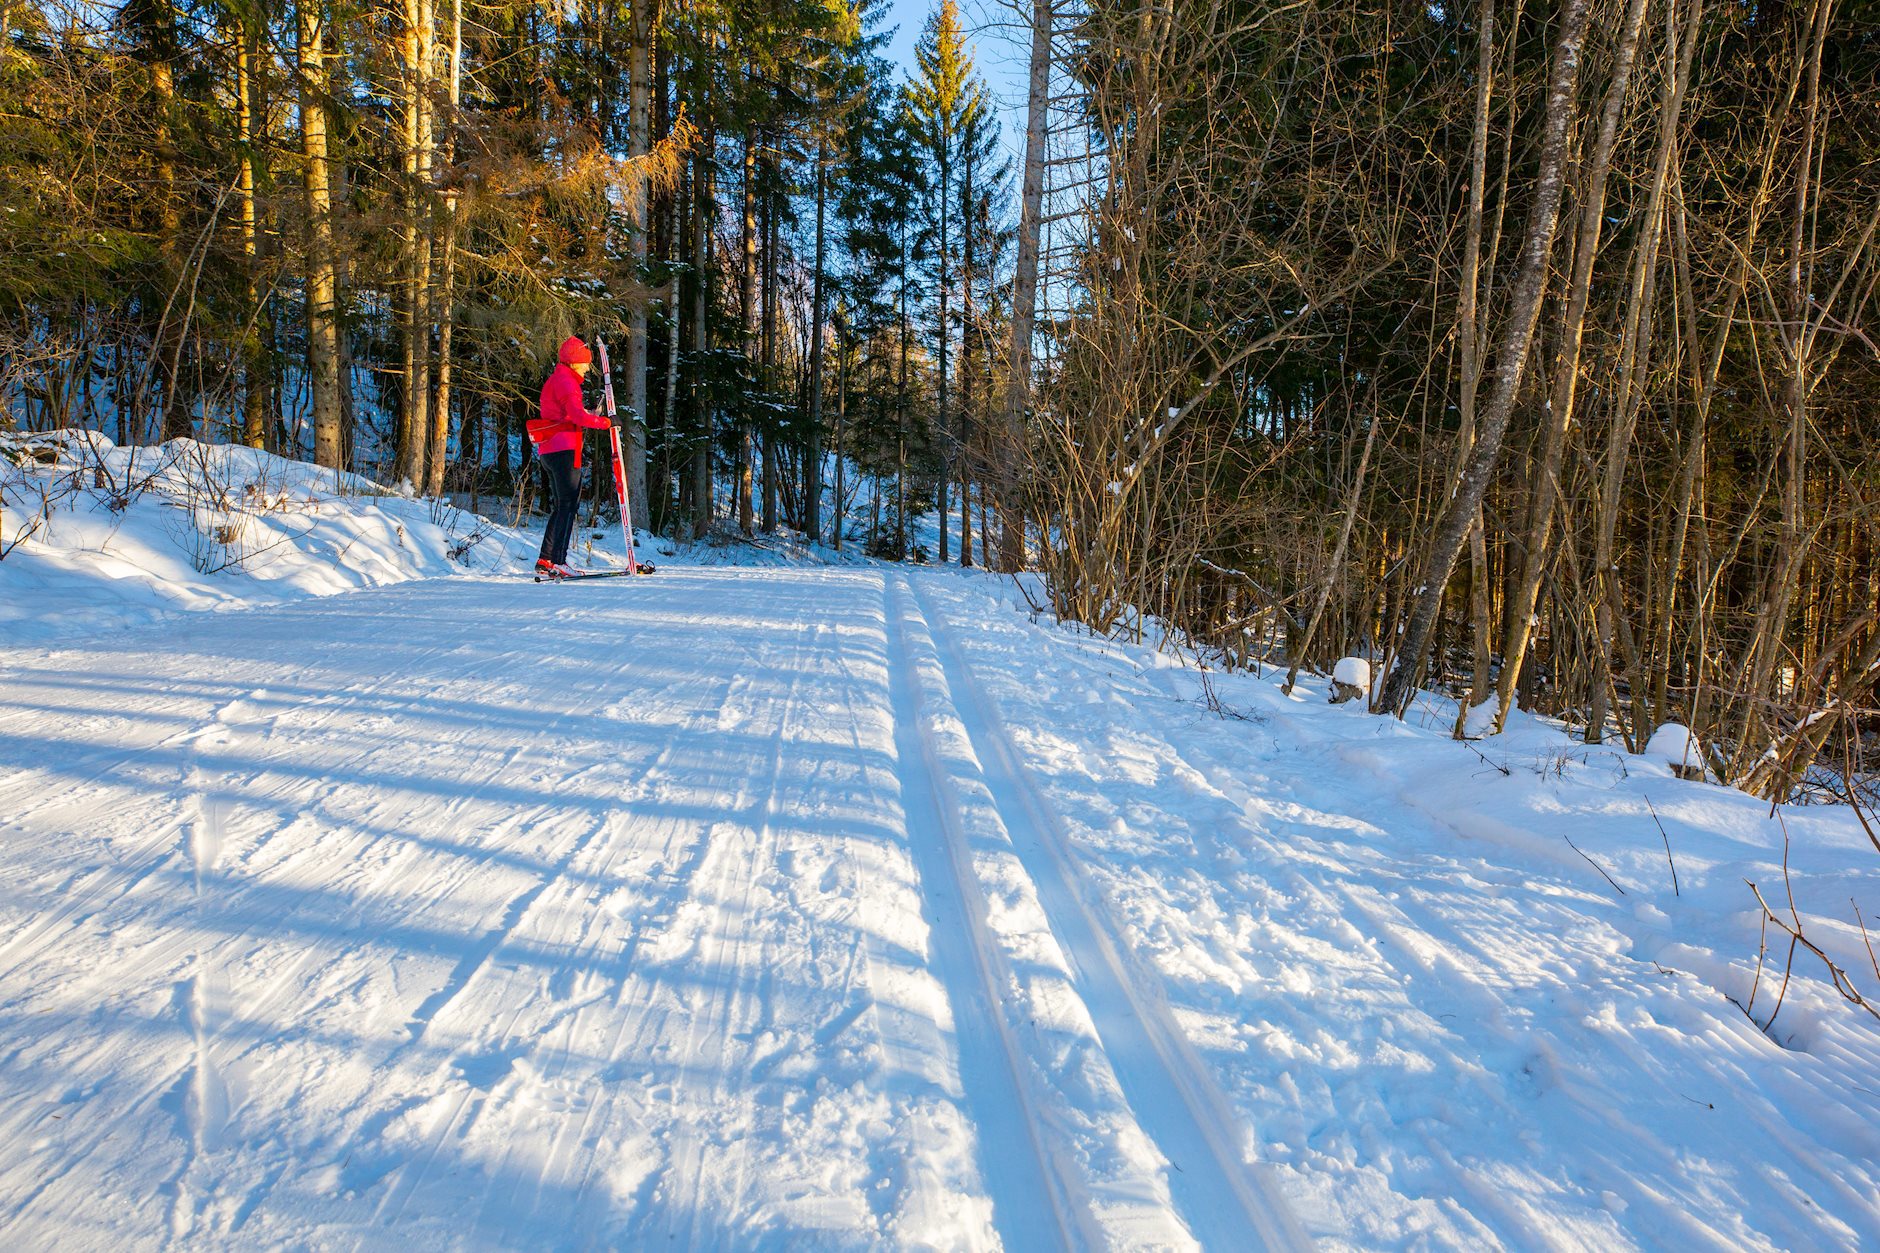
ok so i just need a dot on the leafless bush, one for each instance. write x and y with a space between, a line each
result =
1790 924
222 504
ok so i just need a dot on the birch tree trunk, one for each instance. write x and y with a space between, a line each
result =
1545 480
1024 292
1469 333
1510 360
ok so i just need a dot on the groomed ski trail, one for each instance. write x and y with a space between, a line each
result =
683 913
1034 1191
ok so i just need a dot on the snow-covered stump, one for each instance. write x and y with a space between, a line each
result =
1678 747
1351 679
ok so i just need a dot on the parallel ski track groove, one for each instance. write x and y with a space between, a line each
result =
1109 982
927 791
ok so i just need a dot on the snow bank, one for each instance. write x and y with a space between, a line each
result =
94 536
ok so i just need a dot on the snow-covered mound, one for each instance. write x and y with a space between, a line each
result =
93 535
1676 746
1353 672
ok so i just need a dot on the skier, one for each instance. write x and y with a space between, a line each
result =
557 439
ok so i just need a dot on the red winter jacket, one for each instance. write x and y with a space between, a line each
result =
563 415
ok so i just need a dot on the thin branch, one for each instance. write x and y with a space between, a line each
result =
1595 865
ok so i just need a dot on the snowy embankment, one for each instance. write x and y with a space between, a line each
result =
95 536
788 905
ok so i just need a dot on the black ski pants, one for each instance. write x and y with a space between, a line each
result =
564 482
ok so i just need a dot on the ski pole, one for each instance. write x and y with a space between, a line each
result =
620 471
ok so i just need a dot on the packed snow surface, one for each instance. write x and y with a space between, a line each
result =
790 905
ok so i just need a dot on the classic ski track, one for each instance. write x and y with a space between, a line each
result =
1073 1225
905 1033
1108 982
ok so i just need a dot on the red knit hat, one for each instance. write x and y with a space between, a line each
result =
573 351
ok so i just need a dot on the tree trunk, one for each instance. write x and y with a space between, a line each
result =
258 384
965 461
447 276
179 401
701 294
322 286
1545 480
1469 334
1766 650
941 423
812 471
643 25
842 411
414 426
1510 361
749 319
1024 293
768 354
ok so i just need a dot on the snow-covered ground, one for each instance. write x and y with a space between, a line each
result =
767 902
93 536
